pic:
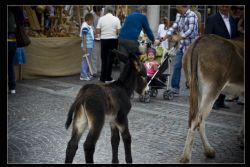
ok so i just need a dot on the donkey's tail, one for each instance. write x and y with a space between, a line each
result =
74 107
193 83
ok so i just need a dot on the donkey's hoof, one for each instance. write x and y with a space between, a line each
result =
210 153
115 161
129 161
184 160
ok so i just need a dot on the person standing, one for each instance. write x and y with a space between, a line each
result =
162 31
134 23
224 25
186 23
11 51
108 26
87 44
96 56
15 19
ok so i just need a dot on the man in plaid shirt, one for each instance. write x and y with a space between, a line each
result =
186 23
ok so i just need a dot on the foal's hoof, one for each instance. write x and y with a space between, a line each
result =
115 161
210 153
184 160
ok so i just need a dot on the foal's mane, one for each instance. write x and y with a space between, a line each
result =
127 77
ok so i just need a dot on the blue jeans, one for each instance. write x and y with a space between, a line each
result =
11 73
175 82
84 66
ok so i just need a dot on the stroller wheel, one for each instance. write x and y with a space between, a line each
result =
168 95
153 92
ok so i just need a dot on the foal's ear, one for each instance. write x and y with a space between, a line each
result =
121 56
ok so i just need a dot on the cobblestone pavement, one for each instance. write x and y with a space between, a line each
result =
37 114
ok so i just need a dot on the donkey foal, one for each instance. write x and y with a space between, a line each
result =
96 101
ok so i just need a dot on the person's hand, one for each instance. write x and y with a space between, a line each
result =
176 38
156 42
84 50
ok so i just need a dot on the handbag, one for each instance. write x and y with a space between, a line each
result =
22 38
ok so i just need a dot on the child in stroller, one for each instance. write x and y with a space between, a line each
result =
155 71
151 64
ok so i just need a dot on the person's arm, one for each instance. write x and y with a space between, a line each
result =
118 26
173 28
155 66
98 31
98 27
84 38
147 29
84 49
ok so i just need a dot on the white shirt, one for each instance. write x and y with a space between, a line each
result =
227 23
162 33
109 25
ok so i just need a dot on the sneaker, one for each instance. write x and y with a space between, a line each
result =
84 79
95 75
175 92
13 91
110 81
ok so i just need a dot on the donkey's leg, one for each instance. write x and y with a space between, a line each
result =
126 137
79 125
208 98
96 121
186 155
205 108
115 140
209 150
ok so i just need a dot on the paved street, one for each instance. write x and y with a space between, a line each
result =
37 114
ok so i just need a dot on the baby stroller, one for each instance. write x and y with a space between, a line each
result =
160 80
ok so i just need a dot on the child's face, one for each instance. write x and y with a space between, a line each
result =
151 56
90 22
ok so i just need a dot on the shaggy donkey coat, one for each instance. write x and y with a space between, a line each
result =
95 102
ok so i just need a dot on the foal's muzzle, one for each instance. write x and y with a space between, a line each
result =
145 90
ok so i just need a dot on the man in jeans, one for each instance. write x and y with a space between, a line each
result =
186 23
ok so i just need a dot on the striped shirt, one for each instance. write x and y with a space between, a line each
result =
187 25
88 31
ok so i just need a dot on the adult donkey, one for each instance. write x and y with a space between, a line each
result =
213 65
94 102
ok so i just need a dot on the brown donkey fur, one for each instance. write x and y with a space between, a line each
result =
94 102
212 65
